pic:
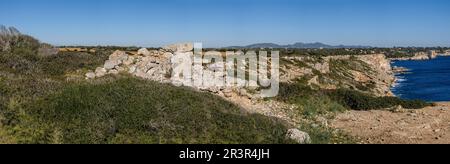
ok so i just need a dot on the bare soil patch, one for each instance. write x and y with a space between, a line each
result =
430 125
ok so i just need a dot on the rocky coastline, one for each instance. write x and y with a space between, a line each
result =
432 54
400 70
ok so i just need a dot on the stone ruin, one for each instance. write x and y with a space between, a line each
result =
157 65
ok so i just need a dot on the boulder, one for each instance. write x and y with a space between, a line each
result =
227 92
140 73
399 109
114 72
111 64
152 71
299 136
100 72
115 59
144 52
132 69
129 61
120 69
181 47
119 55
154 53
167 55
90 75
244 93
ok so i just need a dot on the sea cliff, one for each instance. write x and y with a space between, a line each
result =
432 54
371 74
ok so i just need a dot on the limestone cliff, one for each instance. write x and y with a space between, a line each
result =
421 56
367 73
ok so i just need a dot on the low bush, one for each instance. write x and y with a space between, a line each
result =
320 101
66 62
310 102
360 101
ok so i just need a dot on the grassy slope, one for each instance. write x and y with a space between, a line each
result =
124 110
128 110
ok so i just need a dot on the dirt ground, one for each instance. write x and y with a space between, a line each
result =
425 126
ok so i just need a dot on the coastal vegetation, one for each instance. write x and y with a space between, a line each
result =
45 99
340 100
395 52
360 101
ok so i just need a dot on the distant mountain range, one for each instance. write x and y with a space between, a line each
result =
296 45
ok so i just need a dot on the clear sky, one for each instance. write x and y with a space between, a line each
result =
219 23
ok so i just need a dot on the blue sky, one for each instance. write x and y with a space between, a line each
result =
219 23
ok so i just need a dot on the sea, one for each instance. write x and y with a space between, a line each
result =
427 80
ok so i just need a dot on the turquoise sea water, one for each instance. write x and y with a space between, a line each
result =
427 80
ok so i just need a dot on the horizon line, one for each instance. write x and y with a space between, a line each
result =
243 46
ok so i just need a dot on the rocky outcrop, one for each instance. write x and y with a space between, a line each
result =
152 65
143 52
400 70
432 54
90 75
383 77
160 66
446 53
368 73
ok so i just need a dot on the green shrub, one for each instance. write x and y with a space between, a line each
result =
25 42
312 103
320 101
128 110
65 62
360 101
290 92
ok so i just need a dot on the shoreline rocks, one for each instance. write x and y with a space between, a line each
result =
400 70
432 54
